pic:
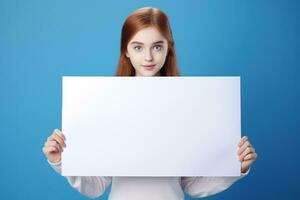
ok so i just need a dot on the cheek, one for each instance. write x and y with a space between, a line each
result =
135 59
160 58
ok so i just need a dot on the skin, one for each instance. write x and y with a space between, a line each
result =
148 46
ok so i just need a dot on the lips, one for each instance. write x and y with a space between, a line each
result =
149 65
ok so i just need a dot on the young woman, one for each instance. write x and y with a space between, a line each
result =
147 49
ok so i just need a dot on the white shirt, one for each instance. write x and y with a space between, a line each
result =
148 188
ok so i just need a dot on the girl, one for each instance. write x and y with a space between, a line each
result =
147 49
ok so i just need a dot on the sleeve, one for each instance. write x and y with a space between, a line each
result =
199 187
90 186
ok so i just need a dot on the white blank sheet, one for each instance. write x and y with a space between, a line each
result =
151 126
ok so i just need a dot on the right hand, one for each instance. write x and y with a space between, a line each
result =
54 146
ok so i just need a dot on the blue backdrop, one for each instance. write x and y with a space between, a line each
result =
42 40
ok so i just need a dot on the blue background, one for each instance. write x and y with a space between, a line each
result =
42 40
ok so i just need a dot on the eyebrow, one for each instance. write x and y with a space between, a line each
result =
158 42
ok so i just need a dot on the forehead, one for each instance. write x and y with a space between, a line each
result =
148 35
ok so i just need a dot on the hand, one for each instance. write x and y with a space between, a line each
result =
246 154
54 146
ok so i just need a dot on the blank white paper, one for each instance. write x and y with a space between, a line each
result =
151 126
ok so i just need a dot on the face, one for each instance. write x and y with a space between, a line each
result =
147 51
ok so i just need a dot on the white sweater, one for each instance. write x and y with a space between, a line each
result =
148 188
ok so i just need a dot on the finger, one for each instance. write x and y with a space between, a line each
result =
54 143
51 137
243 139
60 134
54 148
246 152
56 132
243 147
59 140
246 164
55 138
251 156
50 149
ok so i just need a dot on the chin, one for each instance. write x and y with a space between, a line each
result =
148 73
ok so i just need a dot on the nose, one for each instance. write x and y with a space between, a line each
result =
148 55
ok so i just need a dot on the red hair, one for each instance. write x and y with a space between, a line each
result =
143 18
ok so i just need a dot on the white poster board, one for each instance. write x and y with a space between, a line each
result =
151 126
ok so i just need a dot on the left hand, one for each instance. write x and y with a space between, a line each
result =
246 154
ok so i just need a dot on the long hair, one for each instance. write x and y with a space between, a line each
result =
143 18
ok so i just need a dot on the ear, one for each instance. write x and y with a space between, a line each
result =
127 55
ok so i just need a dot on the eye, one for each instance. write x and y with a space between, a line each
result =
157 47
138 48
